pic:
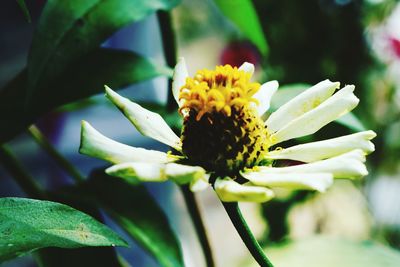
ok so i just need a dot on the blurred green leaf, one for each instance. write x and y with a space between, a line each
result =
68 30
243 14
350 121
137 213
25 10
287 92
28 224
392 135
332 252
115 68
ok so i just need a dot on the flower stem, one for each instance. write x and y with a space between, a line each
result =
198 223
20 174
245 233
169 47
38 136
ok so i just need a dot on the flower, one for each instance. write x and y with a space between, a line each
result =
226 143
384 39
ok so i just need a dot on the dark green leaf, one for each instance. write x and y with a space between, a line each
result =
332 252
84 78
244 16
134 210
28 224
25 10
287 92
68 30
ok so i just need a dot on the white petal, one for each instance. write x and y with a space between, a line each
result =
326 149
310 122
183 174
300 104
153 172
264 95
231 191
312 181
348 165
97 145
146 122
200 184
139 171
179 78
247 67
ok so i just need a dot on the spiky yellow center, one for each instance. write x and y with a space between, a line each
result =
219 90
222 131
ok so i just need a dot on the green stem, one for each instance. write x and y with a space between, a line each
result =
198 223
245 233
20 174
38 136
169 47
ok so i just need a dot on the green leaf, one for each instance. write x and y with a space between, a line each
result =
87 77
68 30
28 224
243 14
332 252
77 257
287 92
25 10
351 121
137 213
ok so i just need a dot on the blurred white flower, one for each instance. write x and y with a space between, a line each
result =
385 42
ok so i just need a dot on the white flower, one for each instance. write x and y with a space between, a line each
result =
225 143
384 39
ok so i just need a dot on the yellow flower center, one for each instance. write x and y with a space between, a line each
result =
222 130
218 91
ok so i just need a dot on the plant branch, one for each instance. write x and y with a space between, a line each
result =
245 233
198 223
169 47
20 174
38 136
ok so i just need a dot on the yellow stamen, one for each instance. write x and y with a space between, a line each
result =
217 90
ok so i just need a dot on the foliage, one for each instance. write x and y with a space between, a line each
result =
25 10
67 64
29 224
330 252
136 212
243 14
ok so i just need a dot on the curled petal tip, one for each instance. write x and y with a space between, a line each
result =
179 78
247 67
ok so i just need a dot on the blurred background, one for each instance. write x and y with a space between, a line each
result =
354 42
